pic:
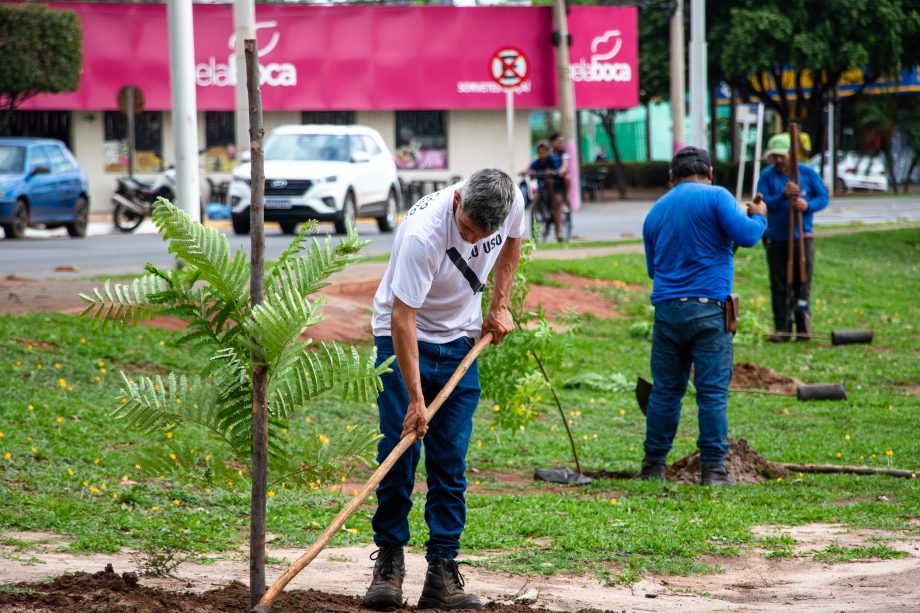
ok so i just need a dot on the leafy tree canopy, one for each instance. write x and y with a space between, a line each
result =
41 51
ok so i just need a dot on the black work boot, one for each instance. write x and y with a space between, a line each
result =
385 590
444 588
715 474
652 471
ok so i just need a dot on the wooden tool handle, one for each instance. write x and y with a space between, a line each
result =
407 441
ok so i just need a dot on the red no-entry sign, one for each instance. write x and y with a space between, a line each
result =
509 67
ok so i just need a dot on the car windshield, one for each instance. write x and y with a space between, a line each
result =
307 147
12 159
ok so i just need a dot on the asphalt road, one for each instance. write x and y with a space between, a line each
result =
41 253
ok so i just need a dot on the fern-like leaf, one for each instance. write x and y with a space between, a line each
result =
122 303
329 367
208 250
307 275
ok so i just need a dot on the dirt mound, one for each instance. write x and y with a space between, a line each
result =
747 376
745 464
109 592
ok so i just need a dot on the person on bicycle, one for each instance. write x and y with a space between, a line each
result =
546 170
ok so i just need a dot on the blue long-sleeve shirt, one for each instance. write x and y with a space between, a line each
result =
771 184
689 235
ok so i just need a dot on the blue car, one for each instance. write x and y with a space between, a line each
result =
41 184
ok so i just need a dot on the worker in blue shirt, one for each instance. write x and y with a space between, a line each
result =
689 236
808 196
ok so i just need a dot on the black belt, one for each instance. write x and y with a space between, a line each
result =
703 301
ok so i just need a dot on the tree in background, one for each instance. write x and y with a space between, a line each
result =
811 48
41 51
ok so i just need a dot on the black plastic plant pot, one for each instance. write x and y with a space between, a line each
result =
821 391
851 337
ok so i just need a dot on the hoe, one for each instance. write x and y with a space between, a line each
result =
407 441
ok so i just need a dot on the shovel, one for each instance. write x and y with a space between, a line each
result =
407 441
803 392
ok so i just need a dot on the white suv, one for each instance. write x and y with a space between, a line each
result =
327 173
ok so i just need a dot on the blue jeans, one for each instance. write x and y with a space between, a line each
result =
445 443
689 333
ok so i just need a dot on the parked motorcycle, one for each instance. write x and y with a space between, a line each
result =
134 199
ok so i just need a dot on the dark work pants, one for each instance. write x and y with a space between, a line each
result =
777 256
445 448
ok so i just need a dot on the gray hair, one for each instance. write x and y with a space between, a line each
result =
487 197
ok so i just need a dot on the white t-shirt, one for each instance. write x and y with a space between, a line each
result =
434 270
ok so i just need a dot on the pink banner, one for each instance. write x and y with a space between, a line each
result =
357 57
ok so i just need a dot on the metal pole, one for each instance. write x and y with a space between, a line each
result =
185 114
830 168
742 158
509 118
698 78
131 132
678 87
757 150
244 28
566 96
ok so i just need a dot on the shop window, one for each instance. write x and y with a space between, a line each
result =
43 124
335 118
421 139
148 142
220 141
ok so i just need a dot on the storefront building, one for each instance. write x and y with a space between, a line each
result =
421 76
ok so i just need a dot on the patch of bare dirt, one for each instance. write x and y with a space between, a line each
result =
558 300
30 342
336 580
754 376
745 464
909 389
577 282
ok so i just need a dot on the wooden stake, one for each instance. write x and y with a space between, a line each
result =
259 370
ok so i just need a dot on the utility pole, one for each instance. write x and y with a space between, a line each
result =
698 77
184 113
244 28
566 96
678 88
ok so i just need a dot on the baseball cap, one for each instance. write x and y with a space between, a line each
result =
690 154
778 145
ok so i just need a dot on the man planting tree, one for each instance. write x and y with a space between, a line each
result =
689 235
428 311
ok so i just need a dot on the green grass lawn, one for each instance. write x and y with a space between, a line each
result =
67 467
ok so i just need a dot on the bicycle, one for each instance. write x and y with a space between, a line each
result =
542 226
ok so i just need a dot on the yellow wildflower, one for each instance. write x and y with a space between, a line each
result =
96 461
39 366
124 478
271 493
57 364
324 439
82 341
59 419
103 371
162 343
94 489
1 434
31 408
7 456
169 434
137 466
62 382
103 486
307 419
613 501
846 437
34 449
86 484
478 444
476 482
172 456
584 437
98 378
348 426
28 347
176 502
114 495
838 455
17 363
889 452
622 412
70 472
154 508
